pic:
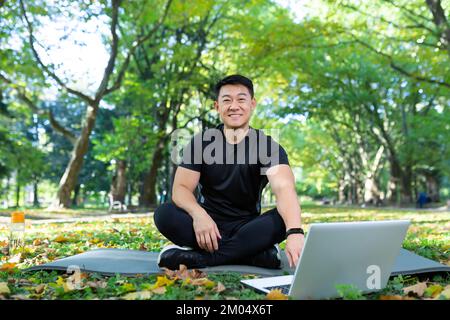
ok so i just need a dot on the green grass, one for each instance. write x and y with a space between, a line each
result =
428 236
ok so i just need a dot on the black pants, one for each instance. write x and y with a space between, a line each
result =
241 237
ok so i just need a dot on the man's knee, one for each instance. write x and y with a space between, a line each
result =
163 215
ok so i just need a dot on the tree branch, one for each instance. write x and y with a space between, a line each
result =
134 46
46 113
400 69
32 40
113 55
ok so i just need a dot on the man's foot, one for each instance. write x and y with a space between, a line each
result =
269 258
172 256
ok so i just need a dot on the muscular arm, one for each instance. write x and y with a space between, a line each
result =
282 181
184 184
205 228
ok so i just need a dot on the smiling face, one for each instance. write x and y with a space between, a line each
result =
235 106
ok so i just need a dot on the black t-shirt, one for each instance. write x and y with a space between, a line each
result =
232 176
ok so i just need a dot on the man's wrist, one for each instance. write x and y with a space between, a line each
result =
291 231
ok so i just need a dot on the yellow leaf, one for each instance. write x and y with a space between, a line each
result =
128 287
61 239
418 289
276 294
140 295
4 289
63 283
433 291
205 282
162 281
3 243
37 242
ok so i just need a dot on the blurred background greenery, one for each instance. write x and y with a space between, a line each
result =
90 92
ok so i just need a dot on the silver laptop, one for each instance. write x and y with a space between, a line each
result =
356 254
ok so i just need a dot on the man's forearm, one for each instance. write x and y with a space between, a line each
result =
185 199
288 207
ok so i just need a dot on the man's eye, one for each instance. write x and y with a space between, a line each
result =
241 100
226 100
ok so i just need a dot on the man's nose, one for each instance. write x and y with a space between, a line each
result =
234 105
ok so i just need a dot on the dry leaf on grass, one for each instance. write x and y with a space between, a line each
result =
433 291
446 292
183 273
395 297
159 290
417 289
4 289
7 267
60 239
40 288
220 287
140 295
276 294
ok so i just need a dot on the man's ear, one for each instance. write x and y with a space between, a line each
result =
254 103
216 106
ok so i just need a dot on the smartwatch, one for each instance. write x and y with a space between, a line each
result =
294 230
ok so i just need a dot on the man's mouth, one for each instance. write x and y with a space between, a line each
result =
235 116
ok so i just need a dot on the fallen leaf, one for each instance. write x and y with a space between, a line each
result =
37 242
7 266
63 283
183 273
204 282
140 295
395 297
159 290
97 284
276 294
61 239
4 289
220 287
162 281
418 289
143 247
40 288
3 243
446 292
433 291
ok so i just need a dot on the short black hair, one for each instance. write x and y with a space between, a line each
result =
234 79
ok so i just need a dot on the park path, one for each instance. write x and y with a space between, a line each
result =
4 219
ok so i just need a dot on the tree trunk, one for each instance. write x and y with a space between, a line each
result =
70 177
35 194
148 193
17 193
76 194
119 182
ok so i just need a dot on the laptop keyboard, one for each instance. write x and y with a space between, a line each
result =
284 289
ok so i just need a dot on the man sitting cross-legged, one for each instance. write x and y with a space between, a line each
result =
231 164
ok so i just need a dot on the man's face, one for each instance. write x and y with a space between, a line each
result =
235 105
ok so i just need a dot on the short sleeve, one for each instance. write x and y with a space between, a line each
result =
273 154
191 157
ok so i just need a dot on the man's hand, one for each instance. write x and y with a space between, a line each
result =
206 232
294 247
